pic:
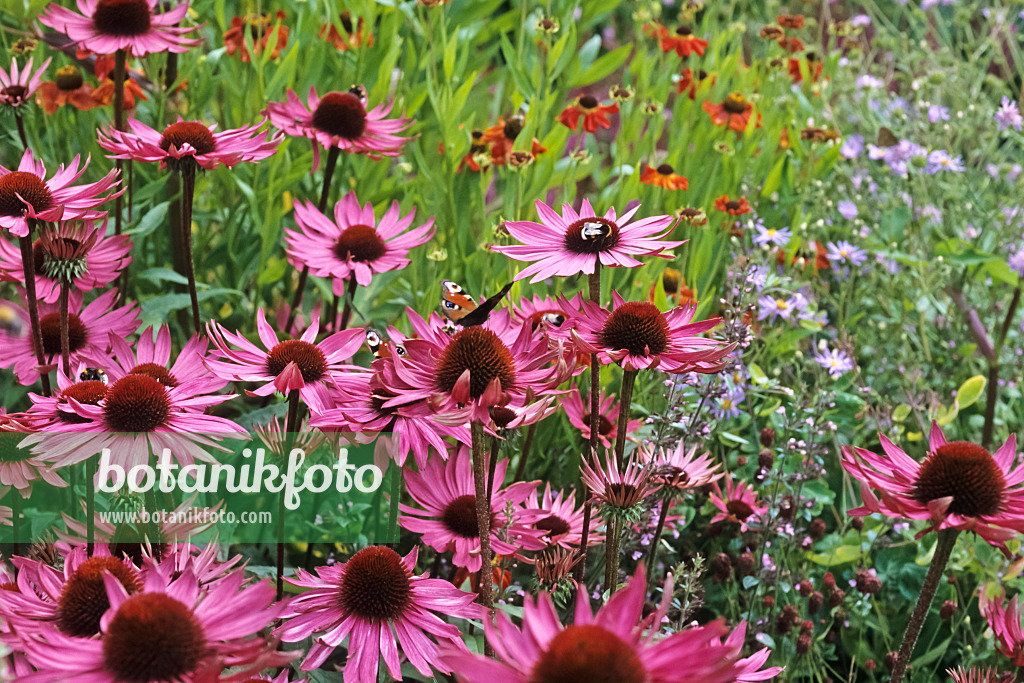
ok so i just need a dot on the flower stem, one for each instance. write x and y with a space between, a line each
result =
16 523
65 342
611 560
28 262
325 193
21 130
483 518
579 574
290 425
90 506
625 401
120 60
943 549
346 311
665 505
521 467
188 190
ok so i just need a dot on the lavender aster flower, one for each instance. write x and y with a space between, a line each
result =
1008 115
777 236
771 307
1016 262
853 145
940 160
937 113
835 361
846 253
848 209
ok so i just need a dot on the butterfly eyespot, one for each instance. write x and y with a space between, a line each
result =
400 350
92 375
449 305
555 319
374 341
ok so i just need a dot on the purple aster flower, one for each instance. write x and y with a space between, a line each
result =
1008 115
860 20
835 361
845 252
1016 262
848 209
937 113
853 145
771 307
777 236
869 81
940 160
729 405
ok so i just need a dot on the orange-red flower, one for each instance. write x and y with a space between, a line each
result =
260 27
733 207
663 176
770 32
69 87
675 289
502 136
104 95
477 148
814 68
791 44
790 20
353 35
821 261
682 41
688 84
734 111
593 113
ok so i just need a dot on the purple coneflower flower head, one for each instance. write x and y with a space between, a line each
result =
847 209
1008 115
836 361
766 236
844 252
16 87
106 26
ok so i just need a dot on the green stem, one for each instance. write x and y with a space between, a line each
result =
28 261
188 189
120 62
346 312
579 574
943 549
290 427
521 468
483 520
665 505
625 401
65 343
90 505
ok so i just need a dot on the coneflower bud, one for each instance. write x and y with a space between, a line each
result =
768 602
829 581
745 565
721 568
817 529
867 583
803 644
765 459
857 523
787 619
890 660
815 602
836 597
767 437
806 626
947 610
805 588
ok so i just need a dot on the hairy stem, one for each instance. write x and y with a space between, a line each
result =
625 401
188 189
119 74
65 342
483 520
346 312
28 263
665 505
580 572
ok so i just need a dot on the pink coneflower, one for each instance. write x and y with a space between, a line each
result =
88 330
18 466
341 120
447 520
578 413
637 335
618 487
1005 624
358 407
85 385
191 143
559 519
106 256
173 630
976 675
616 644
295 364
26 194
547 314
738 505
151 355
16 87
748 669
960 485
137 415
354 244
476 368
361 600
106 26
681 469
576 243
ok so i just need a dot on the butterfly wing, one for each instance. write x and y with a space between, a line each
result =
456 304
479 314
886 138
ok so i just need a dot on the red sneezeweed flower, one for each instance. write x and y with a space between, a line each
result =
791 44
69 87
17 87
353 244
362 600
637 335
88 328
738 505
354 36
688 84
733 207
340 119
811 64
26 194
593 113
103 96
576 243
734 111
578 412
790 20
260 28
295 364
175 629
559 518
107 256
446 518
106 26
959 485
617 644
663 176
189 142
682 41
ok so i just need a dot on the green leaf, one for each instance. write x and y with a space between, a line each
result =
901 412
946 415
840 555
970 391
774 179
603 67
757 374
